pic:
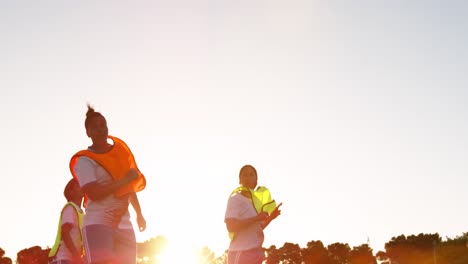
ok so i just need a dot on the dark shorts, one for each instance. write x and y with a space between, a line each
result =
104 243
251 256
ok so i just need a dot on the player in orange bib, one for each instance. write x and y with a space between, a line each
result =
109 177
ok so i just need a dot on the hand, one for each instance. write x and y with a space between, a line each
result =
262 216
276 212
141 223
132 174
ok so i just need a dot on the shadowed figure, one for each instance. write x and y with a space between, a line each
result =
109 178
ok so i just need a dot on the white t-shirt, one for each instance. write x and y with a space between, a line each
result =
110 210
69 216
241 207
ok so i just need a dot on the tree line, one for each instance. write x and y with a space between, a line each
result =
413 249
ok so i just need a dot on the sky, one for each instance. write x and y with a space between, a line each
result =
353 113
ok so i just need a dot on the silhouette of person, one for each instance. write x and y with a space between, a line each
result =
246 222
109 178
68 245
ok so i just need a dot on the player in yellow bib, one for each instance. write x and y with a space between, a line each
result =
248 213
68 247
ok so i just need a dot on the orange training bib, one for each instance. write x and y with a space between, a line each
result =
116 162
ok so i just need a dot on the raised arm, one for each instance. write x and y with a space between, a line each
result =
272 216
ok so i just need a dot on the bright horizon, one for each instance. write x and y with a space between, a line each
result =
349 111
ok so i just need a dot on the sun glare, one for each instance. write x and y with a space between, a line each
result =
178 251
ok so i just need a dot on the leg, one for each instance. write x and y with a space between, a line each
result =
252 256
98 242
125 246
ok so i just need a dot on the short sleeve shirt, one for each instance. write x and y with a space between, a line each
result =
241 207
110 210
69 216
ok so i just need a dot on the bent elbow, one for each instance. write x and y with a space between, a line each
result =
93 191
231 225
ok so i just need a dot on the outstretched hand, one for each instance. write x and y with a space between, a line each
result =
276 212
272 216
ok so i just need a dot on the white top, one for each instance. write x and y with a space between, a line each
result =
69 216
110 210
241 207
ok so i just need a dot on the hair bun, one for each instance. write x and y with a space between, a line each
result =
90 111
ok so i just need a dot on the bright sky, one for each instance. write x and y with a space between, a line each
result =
353 112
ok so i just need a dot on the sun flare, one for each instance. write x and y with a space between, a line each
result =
177 255
179 250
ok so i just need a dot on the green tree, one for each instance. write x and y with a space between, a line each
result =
453 251
206 256
148 251
362 255
411 249
222 259
33 255
3 259
382 257
273 255
290 253
315 253
339 253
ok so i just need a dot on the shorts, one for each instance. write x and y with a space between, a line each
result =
251 256
103 243
64 261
